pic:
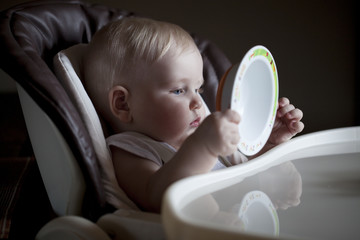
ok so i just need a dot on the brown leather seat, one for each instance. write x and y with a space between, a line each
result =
32 33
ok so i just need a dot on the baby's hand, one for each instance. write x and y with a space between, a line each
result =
283 184
287 124
219 132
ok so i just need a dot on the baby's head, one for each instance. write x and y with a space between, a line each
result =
118 52
124 53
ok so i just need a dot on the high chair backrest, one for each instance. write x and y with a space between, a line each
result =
31 35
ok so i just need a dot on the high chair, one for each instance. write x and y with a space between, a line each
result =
64 129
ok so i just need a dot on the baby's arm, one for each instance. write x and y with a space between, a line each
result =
145 182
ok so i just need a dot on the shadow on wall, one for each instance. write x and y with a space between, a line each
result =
313 43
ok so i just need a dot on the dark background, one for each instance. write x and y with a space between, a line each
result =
314 44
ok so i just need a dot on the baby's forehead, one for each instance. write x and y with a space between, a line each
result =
139 67
182 47
178 50
174 52
185 64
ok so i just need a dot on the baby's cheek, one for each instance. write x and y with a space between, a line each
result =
172 122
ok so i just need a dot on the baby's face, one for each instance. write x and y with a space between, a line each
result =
167 105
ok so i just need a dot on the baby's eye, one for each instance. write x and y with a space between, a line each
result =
178 91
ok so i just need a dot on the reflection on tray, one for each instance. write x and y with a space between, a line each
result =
252 205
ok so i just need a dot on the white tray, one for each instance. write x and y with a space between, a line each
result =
328 163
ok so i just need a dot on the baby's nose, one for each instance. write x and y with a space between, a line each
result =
196 102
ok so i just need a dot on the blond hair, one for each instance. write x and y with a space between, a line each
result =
117 49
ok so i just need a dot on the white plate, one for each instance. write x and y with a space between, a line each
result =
251 88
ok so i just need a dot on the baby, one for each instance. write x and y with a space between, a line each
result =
145 78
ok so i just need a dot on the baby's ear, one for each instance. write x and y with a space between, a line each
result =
118 97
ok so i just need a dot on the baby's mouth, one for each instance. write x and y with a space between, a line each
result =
196 122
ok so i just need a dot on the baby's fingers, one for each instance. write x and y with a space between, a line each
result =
283 102
283 110
295 114
293 121
232 116
296 127
229 132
